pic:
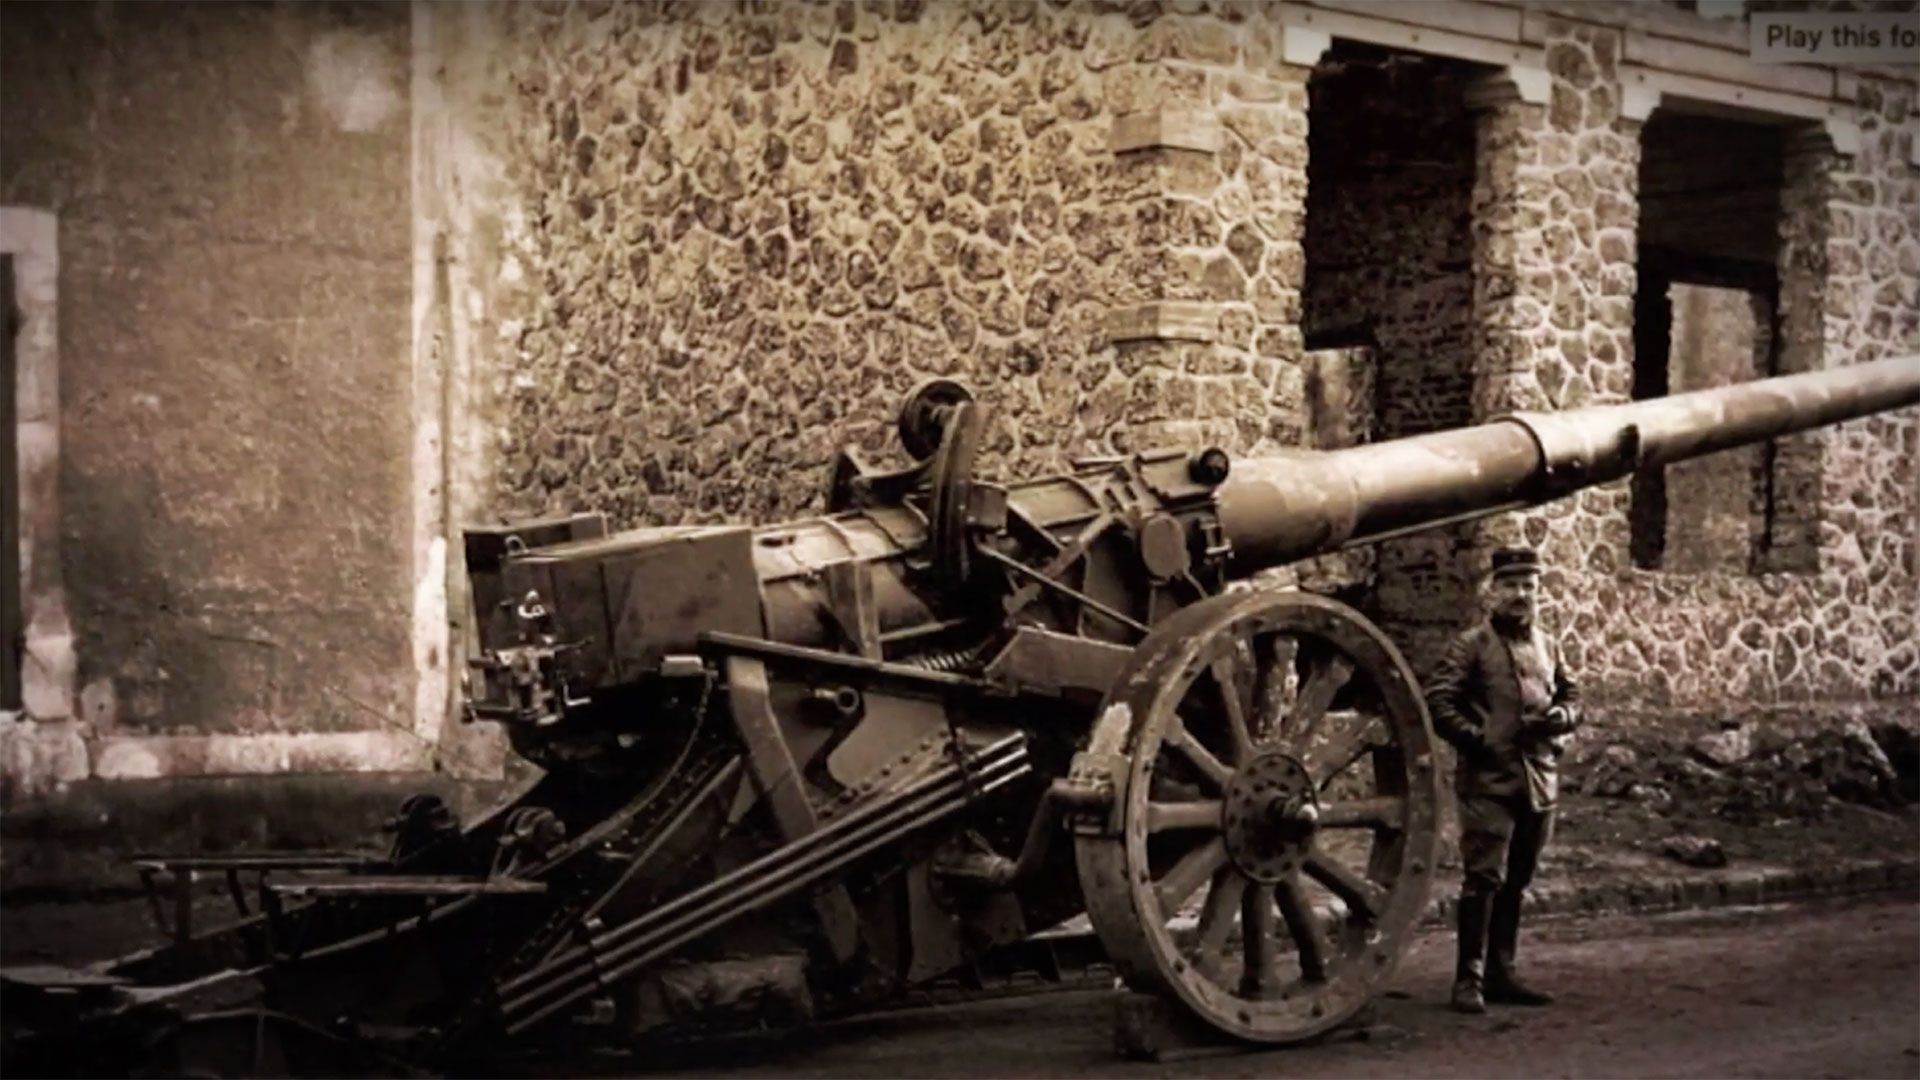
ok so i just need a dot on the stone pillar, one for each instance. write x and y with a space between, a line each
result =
469 301
41 747
1870 469
1429 581
1789 541
1439 571
1214 163
1268 196
1178 320
1555 234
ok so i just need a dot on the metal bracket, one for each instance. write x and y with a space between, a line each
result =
850 601
852 484
1042 661
995 871
1048 576
1094 792
771 764
1087 603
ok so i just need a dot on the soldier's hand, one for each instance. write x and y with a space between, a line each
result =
1558 721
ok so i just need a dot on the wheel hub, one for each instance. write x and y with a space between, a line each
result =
1269 814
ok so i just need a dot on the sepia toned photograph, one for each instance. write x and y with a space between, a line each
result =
960 538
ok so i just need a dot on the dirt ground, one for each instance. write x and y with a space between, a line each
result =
1824 990
1594 834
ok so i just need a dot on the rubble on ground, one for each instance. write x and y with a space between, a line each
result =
1749 774
1701 851
1727 747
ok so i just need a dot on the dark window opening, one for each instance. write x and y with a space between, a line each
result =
1706 314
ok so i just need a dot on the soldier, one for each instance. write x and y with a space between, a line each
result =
1505 700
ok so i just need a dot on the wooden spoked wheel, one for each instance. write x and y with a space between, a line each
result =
1273 839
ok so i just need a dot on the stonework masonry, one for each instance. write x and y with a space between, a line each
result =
884 177
1555 215
752 232
740 233
749 229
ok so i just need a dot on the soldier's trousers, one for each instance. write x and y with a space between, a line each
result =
1501 839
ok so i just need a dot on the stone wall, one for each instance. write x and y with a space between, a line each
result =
747 230
231 191
753 229
1556 287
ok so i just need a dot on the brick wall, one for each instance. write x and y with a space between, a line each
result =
1390 166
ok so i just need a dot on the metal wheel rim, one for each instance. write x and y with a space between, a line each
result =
1124 895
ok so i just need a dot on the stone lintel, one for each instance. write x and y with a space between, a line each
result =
1844 135
1638 102
1165 320
1823 138
1303 46
1510 85
1477 32
1166 129
1738 100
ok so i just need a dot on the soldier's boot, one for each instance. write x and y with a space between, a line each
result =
1502 987
1470 968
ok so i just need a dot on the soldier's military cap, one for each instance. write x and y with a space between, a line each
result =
1512 561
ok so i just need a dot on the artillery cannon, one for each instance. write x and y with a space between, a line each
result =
811 768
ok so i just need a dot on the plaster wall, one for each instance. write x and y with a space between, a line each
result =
230 186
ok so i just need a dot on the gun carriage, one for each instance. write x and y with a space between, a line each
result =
806 769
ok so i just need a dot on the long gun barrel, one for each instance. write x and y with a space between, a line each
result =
1275 510
904 564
